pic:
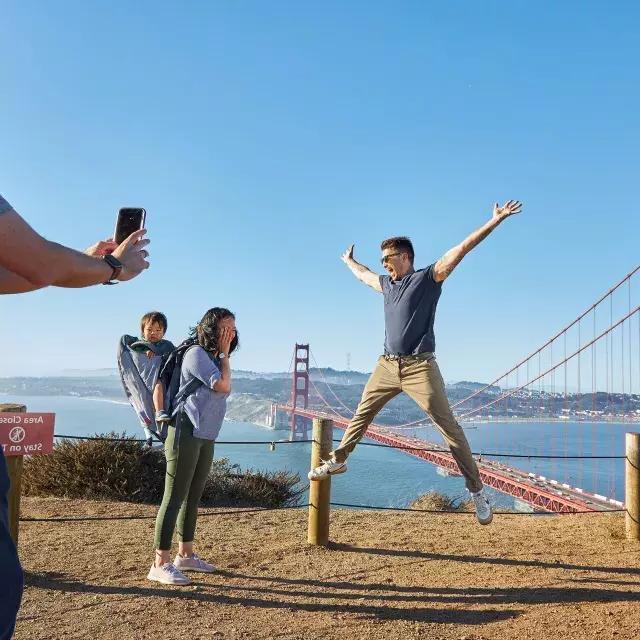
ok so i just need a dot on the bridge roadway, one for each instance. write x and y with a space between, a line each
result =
540 492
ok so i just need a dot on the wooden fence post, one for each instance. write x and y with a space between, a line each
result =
632 486
14 467
320 490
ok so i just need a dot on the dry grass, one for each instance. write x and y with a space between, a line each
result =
434 501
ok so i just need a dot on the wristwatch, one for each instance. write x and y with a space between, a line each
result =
222 355
116 265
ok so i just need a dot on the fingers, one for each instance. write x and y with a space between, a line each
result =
348 253
508 208
514 206
134 238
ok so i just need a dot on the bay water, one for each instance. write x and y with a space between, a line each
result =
382 476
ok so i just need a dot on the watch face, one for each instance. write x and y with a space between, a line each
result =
114 262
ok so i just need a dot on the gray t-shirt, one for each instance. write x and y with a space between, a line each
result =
409 311
205 407
4 206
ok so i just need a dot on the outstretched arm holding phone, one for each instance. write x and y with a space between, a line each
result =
28 261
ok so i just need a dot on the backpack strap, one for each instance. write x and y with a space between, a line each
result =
186 392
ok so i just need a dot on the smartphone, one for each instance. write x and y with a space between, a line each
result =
129 219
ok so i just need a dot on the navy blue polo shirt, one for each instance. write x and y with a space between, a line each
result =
409 312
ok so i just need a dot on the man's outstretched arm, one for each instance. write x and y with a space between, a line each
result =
28 261
450 260
364 274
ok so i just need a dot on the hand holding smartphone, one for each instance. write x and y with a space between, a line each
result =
126 253
130 219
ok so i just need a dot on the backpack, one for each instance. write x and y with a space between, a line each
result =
169 377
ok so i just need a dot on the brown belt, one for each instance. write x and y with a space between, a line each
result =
417 357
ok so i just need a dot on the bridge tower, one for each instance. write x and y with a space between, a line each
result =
300 391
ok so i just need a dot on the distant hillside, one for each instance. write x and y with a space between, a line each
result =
254 392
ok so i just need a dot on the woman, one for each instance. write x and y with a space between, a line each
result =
189 445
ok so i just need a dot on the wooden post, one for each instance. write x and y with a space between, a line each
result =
320 490
14 467
632 486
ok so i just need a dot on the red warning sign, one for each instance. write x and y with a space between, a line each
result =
27 434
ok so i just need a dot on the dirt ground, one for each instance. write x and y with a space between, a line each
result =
386 575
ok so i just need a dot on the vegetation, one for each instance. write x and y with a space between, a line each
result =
122 471
434 501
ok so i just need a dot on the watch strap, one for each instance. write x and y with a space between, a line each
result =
116 265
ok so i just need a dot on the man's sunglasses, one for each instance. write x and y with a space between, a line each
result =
385 259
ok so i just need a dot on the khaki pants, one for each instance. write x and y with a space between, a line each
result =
421 380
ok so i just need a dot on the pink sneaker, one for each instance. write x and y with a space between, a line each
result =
167 574
194 563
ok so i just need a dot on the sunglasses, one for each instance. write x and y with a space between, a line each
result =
385 259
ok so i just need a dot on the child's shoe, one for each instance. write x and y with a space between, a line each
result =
162 416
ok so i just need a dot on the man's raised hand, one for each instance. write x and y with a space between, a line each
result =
133 255
347 255
509 208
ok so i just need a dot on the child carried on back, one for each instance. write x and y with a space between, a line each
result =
139 362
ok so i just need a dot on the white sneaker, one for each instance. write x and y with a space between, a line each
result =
167 574
326 469
483 508
194 563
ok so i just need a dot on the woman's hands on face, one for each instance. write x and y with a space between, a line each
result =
227 334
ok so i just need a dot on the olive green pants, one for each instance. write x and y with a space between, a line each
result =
421 380
188 467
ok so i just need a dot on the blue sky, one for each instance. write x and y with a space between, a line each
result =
264 138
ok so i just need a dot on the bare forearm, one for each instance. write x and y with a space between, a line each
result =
454 256
358 270
75 269
475 238
223 384
41 263
13 283
364 274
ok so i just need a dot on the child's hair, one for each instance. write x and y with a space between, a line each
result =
151 317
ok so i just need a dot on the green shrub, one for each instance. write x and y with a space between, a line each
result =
434 501
122 471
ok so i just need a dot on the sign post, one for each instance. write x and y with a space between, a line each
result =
22 434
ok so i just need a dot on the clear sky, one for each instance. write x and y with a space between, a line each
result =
265 137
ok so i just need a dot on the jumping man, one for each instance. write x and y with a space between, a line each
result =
408 363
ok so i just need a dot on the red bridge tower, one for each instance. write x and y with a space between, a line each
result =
300 391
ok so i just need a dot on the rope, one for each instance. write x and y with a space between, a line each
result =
267 442
367 444
333 504
200 515
468 513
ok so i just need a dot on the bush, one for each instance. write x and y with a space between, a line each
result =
122 471
434 501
